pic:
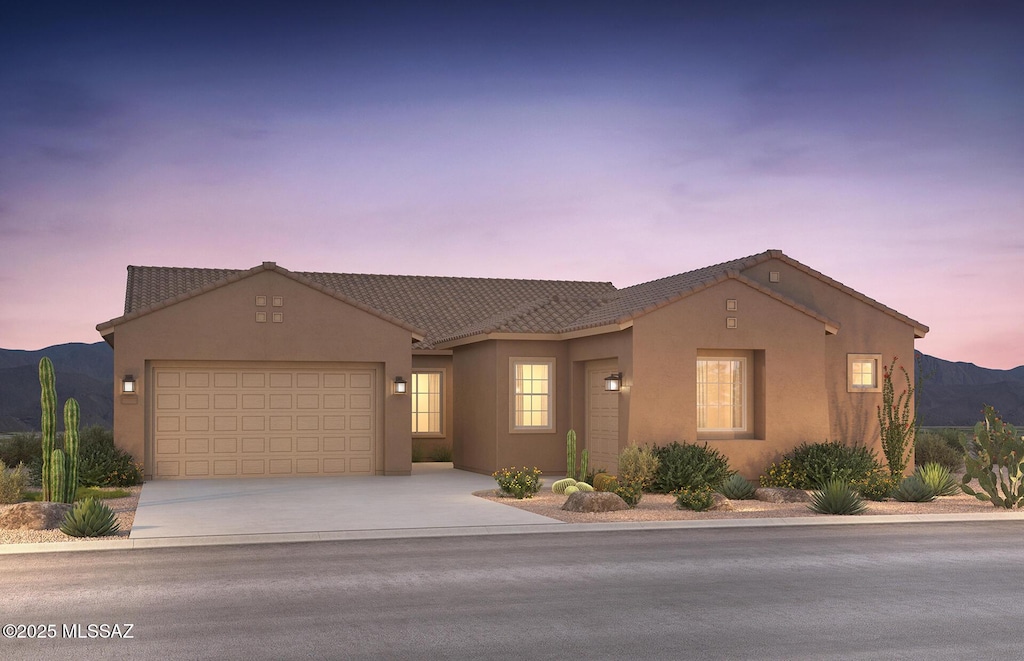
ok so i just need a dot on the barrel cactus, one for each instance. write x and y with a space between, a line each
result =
560 485
583 486
571 489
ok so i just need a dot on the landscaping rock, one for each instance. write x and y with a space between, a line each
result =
594 501
33 516
781 495
722 504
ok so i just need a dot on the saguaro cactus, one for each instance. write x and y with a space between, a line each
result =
48 423
71 420
570 454
57 478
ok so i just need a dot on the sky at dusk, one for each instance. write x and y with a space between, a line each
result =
879 143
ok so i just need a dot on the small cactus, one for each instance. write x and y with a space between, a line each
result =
71 419
560 485
584 458
583 486
570 454
571 489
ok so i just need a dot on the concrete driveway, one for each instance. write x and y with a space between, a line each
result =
434 496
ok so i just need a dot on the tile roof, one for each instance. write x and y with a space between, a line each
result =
452 309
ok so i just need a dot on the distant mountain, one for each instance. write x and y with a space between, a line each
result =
953 394
83 371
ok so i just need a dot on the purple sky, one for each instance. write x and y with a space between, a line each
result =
593 141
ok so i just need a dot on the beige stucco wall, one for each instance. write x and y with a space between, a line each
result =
863 329
792 398
220 325
475 392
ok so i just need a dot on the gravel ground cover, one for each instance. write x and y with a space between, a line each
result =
124 508
659 507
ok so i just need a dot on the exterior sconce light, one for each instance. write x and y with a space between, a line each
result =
613 382
128 384
400 385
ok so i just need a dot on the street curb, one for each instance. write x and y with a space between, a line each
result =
472 531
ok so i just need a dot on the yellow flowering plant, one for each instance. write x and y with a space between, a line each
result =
518 482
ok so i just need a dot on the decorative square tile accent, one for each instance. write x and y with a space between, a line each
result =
774 276
261 301
730 322
278 317
278 301
261 317
730 304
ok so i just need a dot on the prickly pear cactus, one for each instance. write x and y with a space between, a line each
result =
48 422
995 458
560 485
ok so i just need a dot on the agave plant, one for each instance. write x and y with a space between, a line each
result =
737 487
90 518
836 496
913 490
937 478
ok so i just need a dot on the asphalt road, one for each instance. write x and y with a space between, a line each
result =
920 591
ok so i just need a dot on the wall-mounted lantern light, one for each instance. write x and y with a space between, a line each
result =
128 384
400 385
613 382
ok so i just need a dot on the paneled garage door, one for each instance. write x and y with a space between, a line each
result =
257 420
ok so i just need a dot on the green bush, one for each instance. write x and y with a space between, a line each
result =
913 490
638 467
21 448
441 453
934 448
878 485
519 482
102 464
737 487
688 466
630 492
12 481
698 499
836 496
937 478
89 518
810 465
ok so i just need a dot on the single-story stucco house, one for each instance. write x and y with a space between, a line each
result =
230 373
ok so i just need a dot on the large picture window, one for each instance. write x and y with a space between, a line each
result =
426 402
721 394
533 394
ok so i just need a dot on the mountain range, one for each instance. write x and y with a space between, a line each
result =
952 394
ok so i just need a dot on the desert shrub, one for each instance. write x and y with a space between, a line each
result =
913 490
937 478
878 485
519 482
12 481
737 487
836 496
698 499
810 465
630 492
103 464
933 448
21 448
688 466
89 518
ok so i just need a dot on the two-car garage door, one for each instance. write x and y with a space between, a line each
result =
253 419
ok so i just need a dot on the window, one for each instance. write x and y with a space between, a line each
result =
426 402
533 394
862 372
721 394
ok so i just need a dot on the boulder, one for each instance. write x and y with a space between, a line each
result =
782 495
722 504
33 516
594 501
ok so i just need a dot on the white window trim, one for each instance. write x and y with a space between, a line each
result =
851 359
552 381
745 368
440 413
